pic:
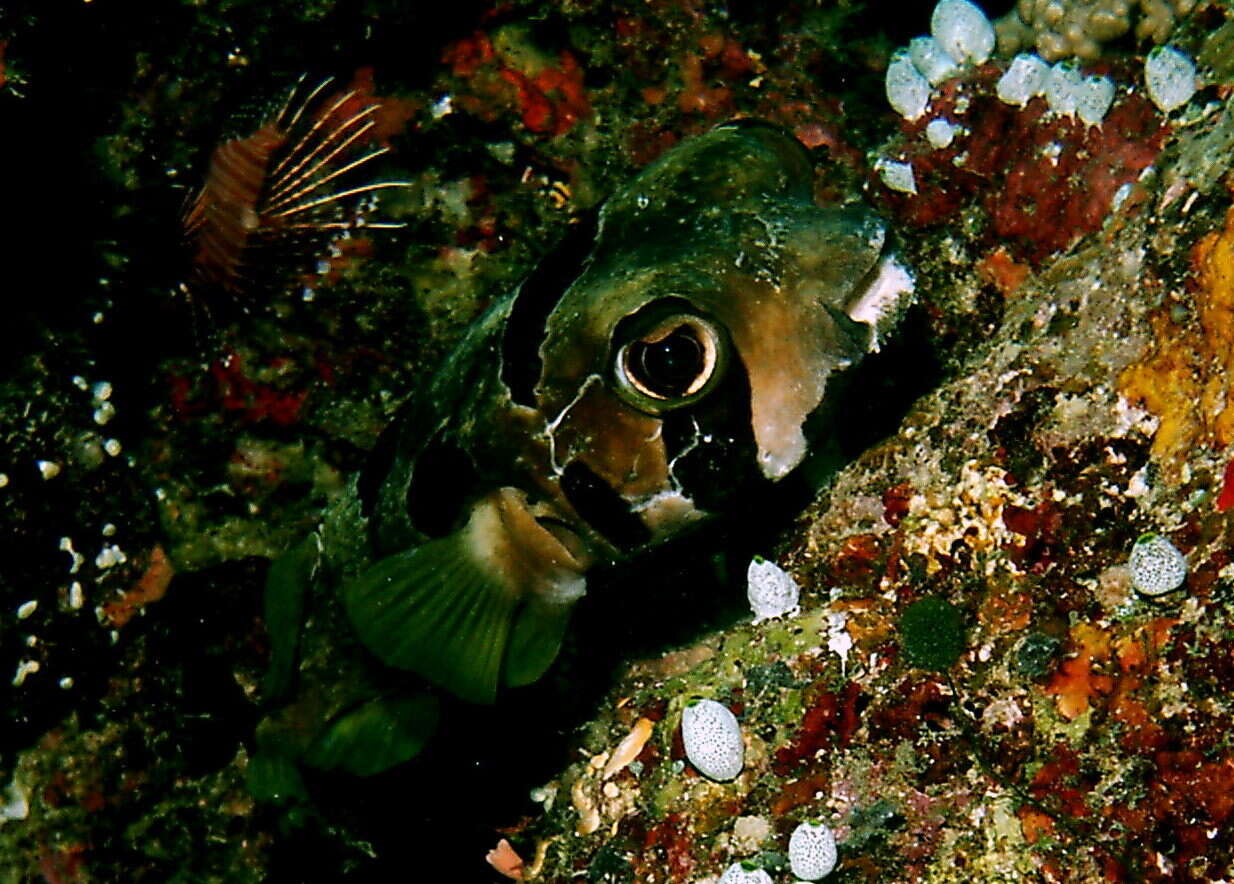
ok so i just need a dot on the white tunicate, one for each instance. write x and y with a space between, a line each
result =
1024 80
1062 88
931 60
941 133
1157 567
712 738
812 851
48 469
737 873
1170 77
1096 96
27 608
962 29
104 413
772 591
897 176
907 91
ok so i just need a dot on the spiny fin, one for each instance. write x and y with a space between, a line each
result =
274 778
375 736
534 642
287 583
438 611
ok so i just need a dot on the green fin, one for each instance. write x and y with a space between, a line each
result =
437 611
375 736
287 583
274 778
534 642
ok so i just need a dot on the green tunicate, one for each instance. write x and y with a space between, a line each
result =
871 823
932 634
1036 653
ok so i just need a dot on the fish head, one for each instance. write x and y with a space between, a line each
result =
719 298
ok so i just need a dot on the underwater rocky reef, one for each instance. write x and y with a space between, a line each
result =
1013 655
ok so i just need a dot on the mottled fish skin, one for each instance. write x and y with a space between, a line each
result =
725 224
662 362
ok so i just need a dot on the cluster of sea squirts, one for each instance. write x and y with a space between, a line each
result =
1048 150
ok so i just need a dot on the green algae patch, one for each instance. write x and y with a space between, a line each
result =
932 634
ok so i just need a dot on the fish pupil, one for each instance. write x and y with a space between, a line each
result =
670 365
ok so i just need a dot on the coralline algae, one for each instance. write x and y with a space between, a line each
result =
712 739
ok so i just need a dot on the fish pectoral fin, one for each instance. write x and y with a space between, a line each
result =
287 584
376 735
274 779
437 611
446 609
534 642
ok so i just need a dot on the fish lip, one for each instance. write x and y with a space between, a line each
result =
883 294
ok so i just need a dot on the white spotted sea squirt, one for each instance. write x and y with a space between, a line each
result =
659 364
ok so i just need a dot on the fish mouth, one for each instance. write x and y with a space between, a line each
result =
882 296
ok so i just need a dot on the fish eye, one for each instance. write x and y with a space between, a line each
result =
670 364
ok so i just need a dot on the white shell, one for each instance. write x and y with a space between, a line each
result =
772 591
907 91
1170 77
1157 567
812 851
897 176
962 29
1062 88
1024 79
931 60
1096 96
941 133
712 738
735 874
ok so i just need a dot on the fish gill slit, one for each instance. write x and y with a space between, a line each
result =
537 298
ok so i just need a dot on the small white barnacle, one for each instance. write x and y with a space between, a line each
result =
1170 77
745 873
812 851
908 92
963 30
771 590
1157 567
712 739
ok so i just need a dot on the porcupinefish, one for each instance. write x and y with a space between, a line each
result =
658 365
